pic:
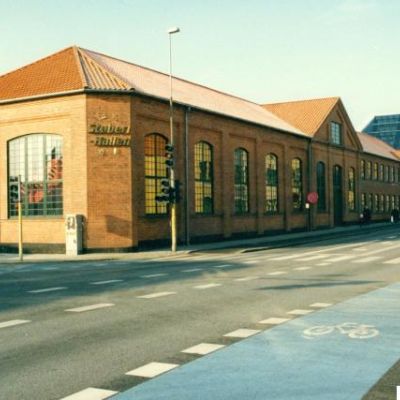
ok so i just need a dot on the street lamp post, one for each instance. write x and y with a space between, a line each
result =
171 128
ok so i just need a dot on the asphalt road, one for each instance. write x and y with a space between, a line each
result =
51 347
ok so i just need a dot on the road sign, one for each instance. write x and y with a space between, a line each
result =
312 197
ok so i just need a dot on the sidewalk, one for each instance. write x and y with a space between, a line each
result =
242 245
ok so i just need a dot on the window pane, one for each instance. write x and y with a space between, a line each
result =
271 183
297 184
241 189
203 175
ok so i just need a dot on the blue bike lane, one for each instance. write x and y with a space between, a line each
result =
289 362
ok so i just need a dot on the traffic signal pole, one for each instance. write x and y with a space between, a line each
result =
172 168
20 241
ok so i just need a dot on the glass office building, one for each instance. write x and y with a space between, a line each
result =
386 128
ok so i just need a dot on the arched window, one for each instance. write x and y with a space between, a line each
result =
271 183
155 170
375 172
203 178
321 186
297 184
241 193
362 169
351 200
38 160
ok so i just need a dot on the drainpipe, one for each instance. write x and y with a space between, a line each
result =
310 209
187 202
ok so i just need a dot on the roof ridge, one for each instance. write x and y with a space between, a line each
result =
83 56
40 59
302 101
80 67
175 77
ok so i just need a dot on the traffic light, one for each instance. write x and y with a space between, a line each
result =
14 190
164 197
169 155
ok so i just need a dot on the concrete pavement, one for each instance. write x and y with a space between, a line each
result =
242 245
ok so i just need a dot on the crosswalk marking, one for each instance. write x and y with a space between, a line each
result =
52 289
14 322
203 348
274 321
155 295
300 312
152 369
90 308
367 259
242 333
91 394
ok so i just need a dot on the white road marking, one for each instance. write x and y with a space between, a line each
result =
314 257
14 322
301 268
322 264
274 321
242 333
152 369
387 242
192 270
300 312
90 308
392 261
50 269
277 273
320 305
91 394
339 258
223 266
203 348
369 253
207 286
153 275
51 289
360 249
155 295
246 278
250 262
106 282
366 260
391 237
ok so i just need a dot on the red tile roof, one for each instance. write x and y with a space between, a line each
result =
375 146
306 115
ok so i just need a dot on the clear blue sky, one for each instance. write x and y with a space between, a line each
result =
263 50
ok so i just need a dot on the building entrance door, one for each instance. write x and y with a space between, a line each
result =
337 195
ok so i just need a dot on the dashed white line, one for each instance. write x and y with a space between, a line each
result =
90 308
223 266
301 268
246 278
14 322
242 333
203 348
393 261
274 321
320 305
207 286
323 264
366 260
152 369
250 262
155 295
299 312
314 257
192 270
277 273
106 282
339 258
52 289
154 275
91 394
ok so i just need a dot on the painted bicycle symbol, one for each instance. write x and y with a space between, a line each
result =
350 329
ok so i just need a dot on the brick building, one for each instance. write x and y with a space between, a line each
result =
87 132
